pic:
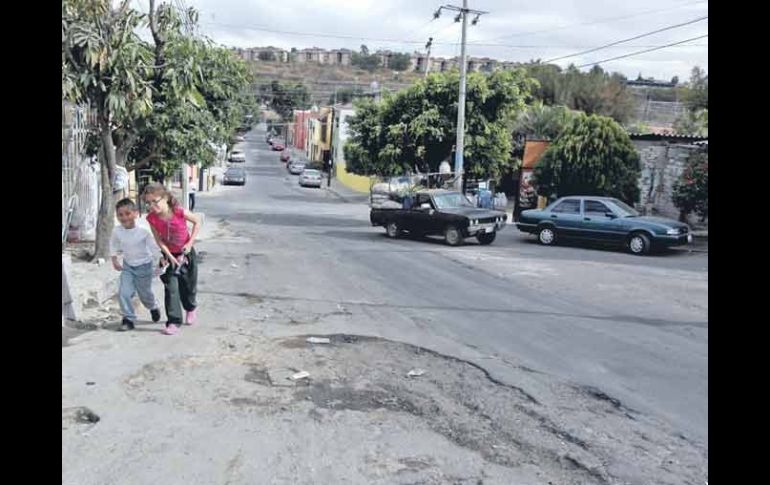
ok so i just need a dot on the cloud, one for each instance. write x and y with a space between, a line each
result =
540 30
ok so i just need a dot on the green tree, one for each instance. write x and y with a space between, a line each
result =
691 191
697 93
592 156
537 121
400 61
158 105
284 98
365 60
548 77
182 129
415 128
107 65
593 92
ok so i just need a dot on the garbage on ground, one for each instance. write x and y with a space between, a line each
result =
300 375
318 340
415 373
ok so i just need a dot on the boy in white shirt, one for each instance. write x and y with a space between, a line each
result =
139 251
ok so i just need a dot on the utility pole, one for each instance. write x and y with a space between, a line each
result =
427 59
459 145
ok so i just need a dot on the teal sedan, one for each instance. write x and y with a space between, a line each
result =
604 220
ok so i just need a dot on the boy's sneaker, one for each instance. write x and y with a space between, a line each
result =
155 315
190 317
126 324
171 329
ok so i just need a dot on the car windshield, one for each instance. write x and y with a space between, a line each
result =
450 200
310 172
624 209
234 172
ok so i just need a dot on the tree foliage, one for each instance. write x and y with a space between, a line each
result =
286 97
415 128
365 60
399 61
592 156
697 90
537 121
691 191
593 92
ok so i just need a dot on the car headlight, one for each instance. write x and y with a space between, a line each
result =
672 232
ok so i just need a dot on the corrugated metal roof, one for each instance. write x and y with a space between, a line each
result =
666 136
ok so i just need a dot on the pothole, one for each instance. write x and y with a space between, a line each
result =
582 439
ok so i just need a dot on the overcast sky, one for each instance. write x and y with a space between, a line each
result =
512 30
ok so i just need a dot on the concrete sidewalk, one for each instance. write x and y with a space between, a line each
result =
345 193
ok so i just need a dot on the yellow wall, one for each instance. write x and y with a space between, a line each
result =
352 181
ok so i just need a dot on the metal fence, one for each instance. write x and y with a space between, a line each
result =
80 182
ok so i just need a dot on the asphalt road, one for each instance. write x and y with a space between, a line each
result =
635 327
562 364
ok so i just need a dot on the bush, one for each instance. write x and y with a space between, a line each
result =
691 191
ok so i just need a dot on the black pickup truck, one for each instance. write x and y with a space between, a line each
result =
441 212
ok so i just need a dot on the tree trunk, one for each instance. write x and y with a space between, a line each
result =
106 219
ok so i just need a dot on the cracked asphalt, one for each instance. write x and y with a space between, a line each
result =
541 365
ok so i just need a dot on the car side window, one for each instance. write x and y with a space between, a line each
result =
422 199
596 208
570 206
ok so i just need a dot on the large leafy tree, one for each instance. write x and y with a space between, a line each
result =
107 65
414 129
159 104
593 92
592 156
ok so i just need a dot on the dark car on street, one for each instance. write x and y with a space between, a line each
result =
234 176
603 220
441 212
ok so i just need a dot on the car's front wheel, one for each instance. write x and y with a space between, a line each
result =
546 235
453 236
486 238
639 243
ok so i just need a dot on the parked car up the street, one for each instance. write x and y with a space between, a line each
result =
310 178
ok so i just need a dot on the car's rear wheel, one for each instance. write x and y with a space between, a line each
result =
453 236
639 243
486 238
546 236
392 230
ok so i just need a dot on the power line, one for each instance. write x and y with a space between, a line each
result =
641 52
598 21
670 27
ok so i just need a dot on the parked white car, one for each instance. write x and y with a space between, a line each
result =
310 178
237 157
